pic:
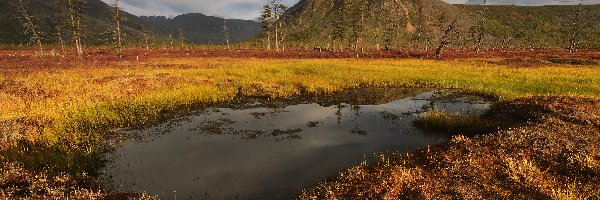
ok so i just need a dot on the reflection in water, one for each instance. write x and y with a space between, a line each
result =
262 149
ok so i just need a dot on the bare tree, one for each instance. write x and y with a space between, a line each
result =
446 36
481 28
117 18
74 9
226 35
30 26
181 37
61 41
576 28
266 17
171 41
146 36
279 9
271 18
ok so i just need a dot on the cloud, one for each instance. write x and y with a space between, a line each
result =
240 9
249 9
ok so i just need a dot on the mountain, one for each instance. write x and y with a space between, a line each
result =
538 26
385 23
97 23
422 24
199 28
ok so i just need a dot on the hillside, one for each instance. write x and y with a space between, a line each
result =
199 28
388 23
97 23
420 24
538 26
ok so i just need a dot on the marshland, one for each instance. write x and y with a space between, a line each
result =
406 99
64 120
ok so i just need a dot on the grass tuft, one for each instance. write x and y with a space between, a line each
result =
450 123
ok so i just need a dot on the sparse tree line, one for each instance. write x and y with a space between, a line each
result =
426 25
72 30
272 22
351 25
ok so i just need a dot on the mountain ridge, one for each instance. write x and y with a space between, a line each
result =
204 29
98 26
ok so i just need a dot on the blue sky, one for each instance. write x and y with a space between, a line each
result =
249 9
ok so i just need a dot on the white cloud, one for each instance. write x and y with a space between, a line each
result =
240 9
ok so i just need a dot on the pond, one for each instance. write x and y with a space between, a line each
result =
263 149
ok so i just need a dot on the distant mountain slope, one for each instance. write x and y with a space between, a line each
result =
97 23
392 23
538 26
410 24
199 28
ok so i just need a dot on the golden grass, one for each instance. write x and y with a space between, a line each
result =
56 117
108 94
76 106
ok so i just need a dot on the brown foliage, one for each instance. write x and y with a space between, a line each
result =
552 151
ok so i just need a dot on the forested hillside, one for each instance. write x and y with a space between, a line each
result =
425 24
97 23
335 24
538 26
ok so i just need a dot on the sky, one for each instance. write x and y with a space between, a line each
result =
249 9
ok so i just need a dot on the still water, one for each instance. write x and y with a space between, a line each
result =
261 149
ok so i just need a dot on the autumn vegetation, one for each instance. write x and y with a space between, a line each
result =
58 112
538 141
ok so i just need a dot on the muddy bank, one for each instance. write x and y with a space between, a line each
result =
552 150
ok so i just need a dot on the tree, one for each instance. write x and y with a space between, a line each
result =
423 32
271 19
266 17
146 37
358 9
279 9
445 39
74 16
479 30
61 42
226 35
390 23
181 37
338 24
576 28
117 18
171 41
27 23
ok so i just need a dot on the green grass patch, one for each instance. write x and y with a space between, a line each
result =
452 123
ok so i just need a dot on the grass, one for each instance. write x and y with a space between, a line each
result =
454 124
56 117
554 156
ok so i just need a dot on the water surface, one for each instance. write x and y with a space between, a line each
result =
261 149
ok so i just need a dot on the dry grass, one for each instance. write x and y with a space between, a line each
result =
56 116
453 123
555 155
